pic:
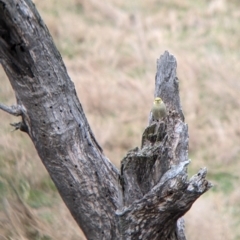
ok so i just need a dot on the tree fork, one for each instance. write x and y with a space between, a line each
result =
146 199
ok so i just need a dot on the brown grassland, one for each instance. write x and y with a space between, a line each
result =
110 50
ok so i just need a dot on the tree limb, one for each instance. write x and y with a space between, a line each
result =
13 110
147 198
55 121
154 178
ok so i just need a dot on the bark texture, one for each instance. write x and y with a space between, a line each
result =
148 196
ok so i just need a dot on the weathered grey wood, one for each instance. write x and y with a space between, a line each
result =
166 83
147 198
54 120
154 178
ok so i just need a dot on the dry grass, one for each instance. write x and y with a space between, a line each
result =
110 50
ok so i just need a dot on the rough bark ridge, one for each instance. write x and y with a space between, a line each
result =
147 198
156 191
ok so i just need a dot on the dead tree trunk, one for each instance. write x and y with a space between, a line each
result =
148 196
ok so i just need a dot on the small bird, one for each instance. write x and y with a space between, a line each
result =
159 110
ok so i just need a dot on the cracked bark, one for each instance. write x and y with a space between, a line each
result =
148 196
